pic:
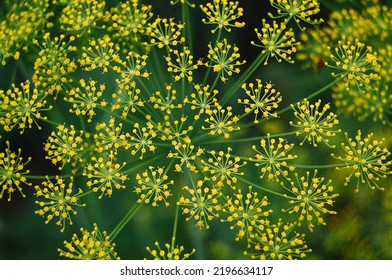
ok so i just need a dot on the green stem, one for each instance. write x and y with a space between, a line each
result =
173 243
135 208
304 166
262 188
244 140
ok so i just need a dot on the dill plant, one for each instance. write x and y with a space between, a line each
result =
129 113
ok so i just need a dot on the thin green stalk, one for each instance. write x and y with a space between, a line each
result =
304 166
262 188
135 208
173 243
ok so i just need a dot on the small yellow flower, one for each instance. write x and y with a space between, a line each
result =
223 14
274 158
12 173
182 66
104 174
94 245
64 146
170 252
56 200
223 168
86 98
366 159
129 21
315 124
277 242
247 213
221 121
276 41
166 33
311 197
224 59
153 186
299 10
200 203
263 100
22 106
355 61
81 15
202 99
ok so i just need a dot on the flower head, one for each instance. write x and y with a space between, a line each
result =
12 173
153 186
166 33
81 15
22 23
110 137
94 245
247 214
64 146
261 100
223 14
223 168
274 158
127 98
277 242
182 66
57 200
310 199
129 21
53 67
223 58
315 124
220 121
276 41
85 99
104 174
22 107
366 159
355 61
169 252
101 53
299 10
201 203
202 99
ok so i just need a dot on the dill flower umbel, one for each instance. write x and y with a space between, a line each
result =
53 67
57 200
355 61
22 106
222 13
366 159
223 168
12 173
169 252
274 158
310 198
200 203
84 99
247 214
263 100
153 186
104 174
223 58
278 242
314 123
276 41
300 10
64 146
94 245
